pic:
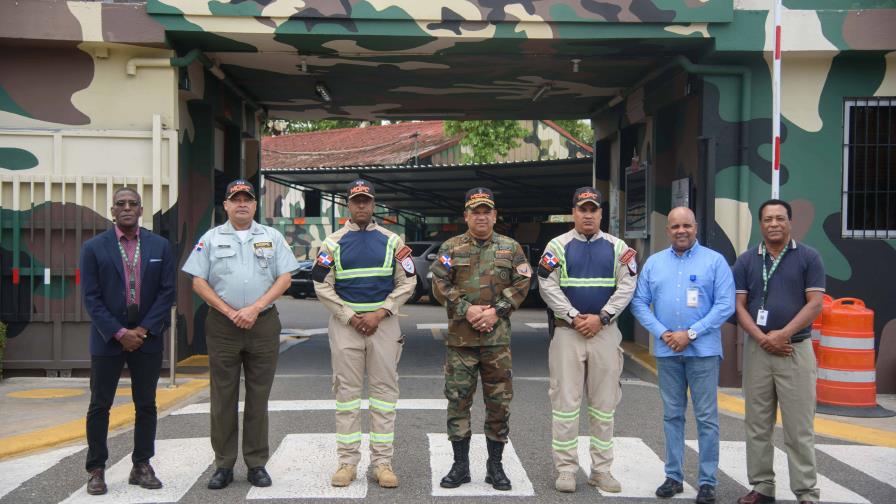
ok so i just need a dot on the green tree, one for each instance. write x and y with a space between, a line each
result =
486 139
578 128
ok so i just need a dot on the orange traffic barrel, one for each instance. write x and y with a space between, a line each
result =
818 323
846 373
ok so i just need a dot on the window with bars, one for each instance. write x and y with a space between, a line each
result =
869 168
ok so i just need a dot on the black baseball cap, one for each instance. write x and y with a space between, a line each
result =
586 195
360 187
238 186
479 196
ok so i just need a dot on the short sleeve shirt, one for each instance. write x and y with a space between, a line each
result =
240 271
800 271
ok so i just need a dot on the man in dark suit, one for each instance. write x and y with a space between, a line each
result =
127 278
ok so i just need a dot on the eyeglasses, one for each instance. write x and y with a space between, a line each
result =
127 203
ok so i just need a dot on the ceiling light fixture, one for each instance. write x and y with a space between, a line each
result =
541 91
321 89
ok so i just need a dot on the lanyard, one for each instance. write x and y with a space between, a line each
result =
767 274
131 267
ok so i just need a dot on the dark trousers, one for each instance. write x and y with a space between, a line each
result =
104 375
255 352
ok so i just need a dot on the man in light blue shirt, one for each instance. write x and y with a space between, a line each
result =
691 290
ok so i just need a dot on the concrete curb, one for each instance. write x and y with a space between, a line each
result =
119 416
733 404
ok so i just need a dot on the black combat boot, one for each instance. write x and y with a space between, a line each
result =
460 470
494 469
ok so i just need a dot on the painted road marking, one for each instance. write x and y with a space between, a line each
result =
635 465
435 328
879 462
15 472
733 461
178 464
441 457
302 466
537 325
320 405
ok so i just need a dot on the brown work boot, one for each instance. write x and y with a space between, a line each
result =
96 484
344 475
143 475
605 481
385 476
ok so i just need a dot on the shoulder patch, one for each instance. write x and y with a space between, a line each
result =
445 259
325 260
524 270
403 252
629 260
407 264
549 261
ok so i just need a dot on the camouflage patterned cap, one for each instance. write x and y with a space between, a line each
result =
239 186
360 187
586 195
479 196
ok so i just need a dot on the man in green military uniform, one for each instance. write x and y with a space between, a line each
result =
483 276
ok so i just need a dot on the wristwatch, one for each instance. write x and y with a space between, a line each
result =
692 334
502 310
605 317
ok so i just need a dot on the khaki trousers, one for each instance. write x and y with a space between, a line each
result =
771 382
255 351
352 353
595 365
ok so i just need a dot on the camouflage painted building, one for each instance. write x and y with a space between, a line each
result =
168 95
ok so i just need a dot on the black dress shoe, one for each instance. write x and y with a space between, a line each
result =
259 477
706 495
669 488
220 479
143 475
96 484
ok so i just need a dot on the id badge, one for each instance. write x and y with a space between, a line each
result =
761 317
692 297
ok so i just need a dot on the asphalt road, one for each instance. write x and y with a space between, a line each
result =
302 432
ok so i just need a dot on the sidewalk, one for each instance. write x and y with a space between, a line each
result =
871 431
39 413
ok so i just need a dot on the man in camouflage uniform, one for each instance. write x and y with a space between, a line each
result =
586 278
363 275
483 276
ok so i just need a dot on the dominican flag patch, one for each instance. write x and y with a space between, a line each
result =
198 247
549 261
325 259
446 261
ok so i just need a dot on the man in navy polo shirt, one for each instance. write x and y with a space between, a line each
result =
779 285
692 294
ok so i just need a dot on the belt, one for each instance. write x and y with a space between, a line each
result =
798 337
266 310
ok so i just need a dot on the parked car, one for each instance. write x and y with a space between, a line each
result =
423 253
302 286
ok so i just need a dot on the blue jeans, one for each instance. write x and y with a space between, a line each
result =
701 375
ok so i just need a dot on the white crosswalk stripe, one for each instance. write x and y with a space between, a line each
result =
537 325
15 472
320 405
733 461
178 463
301 468
441 457
879 462
635 465
302 465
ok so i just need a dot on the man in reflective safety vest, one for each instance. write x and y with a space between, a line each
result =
586 278
363 274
